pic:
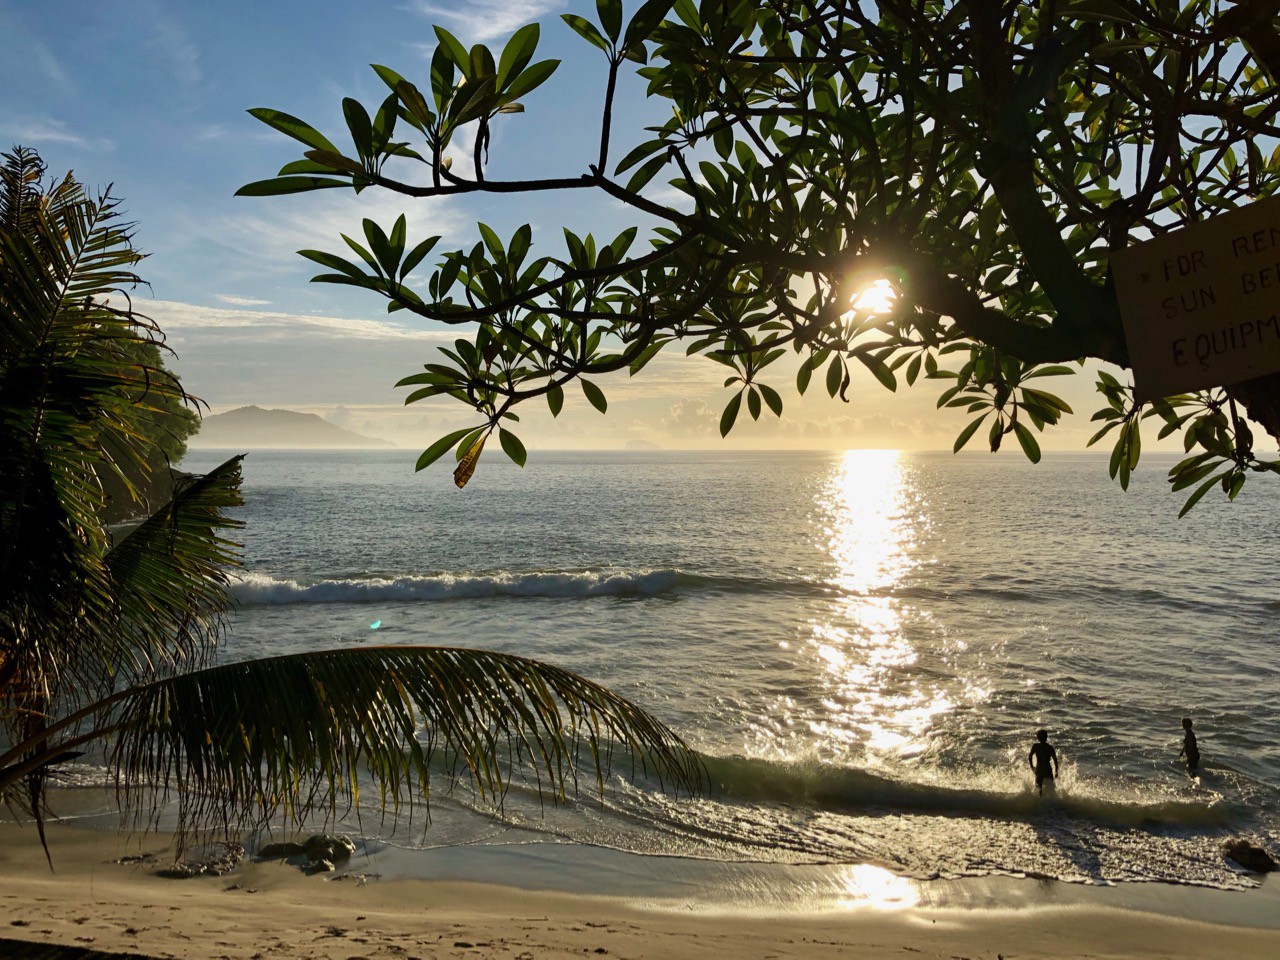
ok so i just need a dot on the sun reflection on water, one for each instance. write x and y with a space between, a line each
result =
872 696
866 885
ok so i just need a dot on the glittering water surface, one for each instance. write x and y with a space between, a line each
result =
860 644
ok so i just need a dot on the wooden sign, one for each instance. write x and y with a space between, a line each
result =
1201 305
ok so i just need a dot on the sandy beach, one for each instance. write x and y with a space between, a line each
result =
271 910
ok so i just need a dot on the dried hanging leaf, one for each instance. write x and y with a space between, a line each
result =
467 465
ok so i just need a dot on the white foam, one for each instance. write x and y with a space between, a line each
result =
257 589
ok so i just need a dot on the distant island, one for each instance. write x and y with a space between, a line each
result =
252 426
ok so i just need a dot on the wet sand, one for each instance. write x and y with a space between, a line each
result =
271 910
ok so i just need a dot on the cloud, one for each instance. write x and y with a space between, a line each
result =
170 41
188 319
479 20
49 65
232 357
36 131
240 301
267 234
691 417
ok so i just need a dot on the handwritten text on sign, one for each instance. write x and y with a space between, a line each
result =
1201 305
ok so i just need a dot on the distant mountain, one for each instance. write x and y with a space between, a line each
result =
247 427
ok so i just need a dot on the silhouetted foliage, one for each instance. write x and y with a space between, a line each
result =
984 156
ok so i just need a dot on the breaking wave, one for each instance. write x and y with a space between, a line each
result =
256 589
850 790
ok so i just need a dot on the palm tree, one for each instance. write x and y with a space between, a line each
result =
108 642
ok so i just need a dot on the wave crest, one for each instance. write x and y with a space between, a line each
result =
256 589
850 790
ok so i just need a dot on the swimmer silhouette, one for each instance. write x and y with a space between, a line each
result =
1189 748
1044 761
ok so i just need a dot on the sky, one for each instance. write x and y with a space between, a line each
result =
151 97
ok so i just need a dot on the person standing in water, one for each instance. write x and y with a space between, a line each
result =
1189 748
1044 761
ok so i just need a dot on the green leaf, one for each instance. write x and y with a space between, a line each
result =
1135 442
415 103
512 447
293 127
283 185
772 399
968 432
640 179
453 49
835 373
803 375
639 153
753 403
333 262
416 255
595 395
482 64
610 12
530 79
360 125
645 20
585 29
333 161
1200 492
555 400
880 369
491 241
440 448
641 361
1118 453
388 76
517 54
1056 370
730 414
1028 442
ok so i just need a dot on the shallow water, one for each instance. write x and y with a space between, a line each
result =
860 644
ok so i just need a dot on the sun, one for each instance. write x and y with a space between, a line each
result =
876 297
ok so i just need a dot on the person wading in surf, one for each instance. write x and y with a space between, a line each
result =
1044 761
1189 748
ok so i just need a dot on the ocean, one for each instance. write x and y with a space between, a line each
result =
860 645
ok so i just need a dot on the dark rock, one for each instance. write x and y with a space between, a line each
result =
274 851
1249 855
324 847
214 865
321 850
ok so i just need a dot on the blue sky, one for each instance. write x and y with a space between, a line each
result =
152 97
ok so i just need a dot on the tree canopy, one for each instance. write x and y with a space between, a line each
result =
107 640
984 156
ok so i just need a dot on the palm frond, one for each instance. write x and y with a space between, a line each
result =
71 389
246 742
169 578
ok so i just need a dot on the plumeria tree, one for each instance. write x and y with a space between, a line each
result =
108 635
983 156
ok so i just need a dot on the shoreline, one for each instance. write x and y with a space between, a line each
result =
271 910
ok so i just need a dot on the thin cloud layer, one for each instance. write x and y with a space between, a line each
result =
480 20
41 131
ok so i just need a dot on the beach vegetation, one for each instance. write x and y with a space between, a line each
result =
108 633
982 157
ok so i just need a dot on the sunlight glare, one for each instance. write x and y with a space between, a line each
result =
866 885
864 653
876 297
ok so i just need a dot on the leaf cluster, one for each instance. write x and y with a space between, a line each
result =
984 157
